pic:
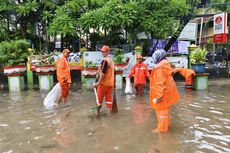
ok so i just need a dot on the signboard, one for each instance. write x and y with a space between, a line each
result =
95 57
189 32
180 47
220 28
180 62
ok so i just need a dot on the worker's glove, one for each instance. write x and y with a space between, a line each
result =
157 100
95 85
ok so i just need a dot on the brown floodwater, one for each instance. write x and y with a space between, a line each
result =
200 123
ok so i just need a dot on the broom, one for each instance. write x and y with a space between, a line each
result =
114 106
94 108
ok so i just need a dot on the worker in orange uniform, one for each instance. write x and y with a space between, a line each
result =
63 76
140 72
188 74
163 90
105 82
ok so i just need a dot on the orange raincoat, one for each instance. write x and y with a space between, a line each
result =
163 86
105 88
140 72
188 74
63 75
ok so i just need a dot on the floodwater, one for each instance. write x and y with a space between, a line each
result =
200 123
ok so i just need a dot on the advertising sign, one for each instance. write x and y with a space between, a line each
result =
220 28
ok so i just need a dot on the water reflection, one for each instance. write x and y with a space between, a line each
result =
200 123
15 97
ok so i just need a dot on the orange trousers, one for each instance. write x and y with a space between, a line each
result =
163 119
139 89
189 80
64 89
105 91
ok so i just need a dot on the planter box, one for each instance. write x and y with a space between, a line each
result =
45 76
89 77
89 71
201 81
16 82
88 82
44 68
15 75
198 68
119 81
14 69
46 82
120 67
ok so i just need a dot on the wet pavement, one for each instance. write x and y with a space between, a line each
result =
200 123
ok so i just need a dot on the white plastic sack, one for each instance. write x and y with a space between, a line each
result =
128 86
52 96
130 65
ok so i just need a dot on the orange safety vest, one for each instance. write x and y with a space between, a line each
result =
163 85
63 70
108 79
140 72
185 72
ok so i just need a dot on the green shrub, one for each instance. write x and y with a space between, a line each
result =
14 52
118 56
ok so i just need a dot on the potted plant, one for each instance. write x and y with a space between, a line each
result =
89 74
44 67
138 50
90 68
43 63
13 55
198 58
118 59
120 65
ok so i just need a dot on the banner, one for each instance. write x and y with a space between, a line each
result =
179 62
179 47
183 47
220 28
160 44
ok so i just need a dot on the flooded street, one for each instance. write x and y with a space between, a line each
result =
200 123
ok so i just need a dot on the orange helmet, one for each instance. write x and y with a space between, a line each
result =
105 48
139 57
66 51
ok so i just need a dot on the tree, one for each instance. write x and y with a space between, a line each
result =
32 19
223 6
136 16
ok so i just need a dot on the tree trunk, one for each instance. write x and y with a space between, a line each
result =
8 23
23 29
62 42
